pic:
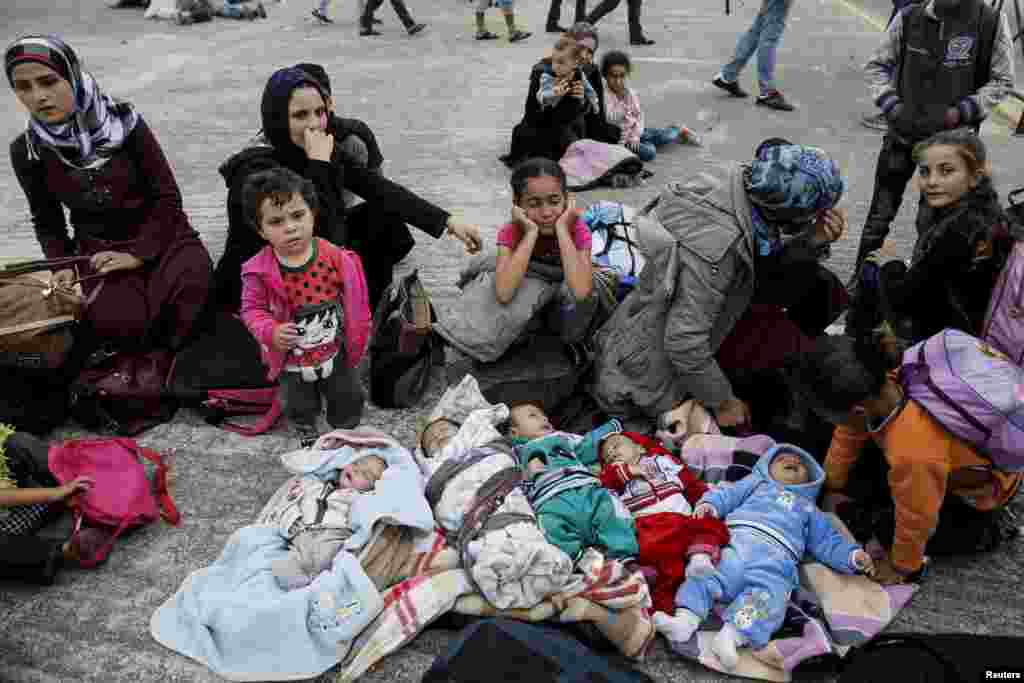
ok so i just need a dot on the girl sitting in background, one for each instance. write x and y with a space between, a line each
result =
622 108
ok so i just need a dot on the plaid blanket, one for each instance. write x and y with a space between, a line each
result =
834 613
438 587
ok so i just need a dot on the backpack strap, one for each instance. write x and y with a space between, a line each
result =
168 510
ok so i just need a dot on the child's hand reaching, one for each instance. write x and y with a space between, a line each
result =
705 510
885 573
862 562
466 233
77 485
286 336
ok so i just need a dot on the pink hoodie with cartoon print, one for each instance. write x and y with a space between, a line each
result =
265 303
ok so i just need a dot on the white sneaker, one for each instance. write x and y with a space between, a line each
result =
679 628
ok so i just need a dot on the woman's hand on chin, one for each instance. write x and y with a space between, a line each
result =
467 233
110 261
319 144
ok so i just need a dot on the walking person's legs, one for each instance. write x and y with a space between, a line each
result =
554 16
636 31
745 48
775 14
603 8
366 21
320 12
403 15
581 12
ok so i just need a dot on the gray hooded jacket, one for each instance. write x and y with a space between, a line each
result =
659 347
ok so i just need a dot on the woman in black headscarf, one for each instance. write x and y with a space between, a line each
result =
299 134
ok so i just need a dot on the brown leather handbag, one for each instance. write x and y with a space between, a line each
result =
36 321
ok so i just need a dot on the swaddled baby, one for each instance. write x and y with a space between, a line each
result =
316 520
473 489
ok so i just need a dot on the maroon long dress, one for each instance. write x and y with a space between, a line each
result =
132 204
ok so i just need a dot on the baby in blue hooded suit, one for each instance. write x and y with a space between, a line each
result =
773 521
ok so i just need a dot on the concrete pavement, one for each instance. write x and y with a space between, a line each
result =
442 106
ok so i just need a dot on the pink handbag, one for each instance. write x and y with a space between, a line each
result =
121 497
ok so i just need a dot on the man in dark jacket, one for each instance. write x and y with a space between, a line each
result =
929 74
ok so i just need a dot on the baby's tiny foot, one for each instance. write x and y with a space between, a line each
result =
700 566
724 646
679 628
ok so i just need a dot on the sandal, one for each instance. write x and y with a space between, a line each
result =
518 35
486 35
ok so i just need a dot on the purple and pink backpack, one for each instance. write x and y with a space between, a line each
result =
121 496
1004 319
973 390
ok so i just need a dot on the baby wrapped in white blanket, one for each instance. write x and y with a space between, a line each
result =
473 488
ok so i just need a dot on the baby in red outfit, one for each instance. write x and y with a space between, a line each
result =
660 492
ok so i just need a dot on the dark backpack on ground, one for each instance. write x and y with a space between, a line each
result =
33 400
222 375
403 351
935 658
123 393
541 370
508 650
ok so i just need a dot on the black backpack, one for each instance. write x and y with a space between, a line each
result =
935 658
518 652
403 350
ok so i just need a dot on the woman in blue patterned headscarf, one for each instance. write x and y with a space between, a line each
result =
790 186
735 288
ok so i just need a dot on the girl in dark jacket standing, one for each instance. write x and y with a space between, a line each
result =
142 261
299 135
963 242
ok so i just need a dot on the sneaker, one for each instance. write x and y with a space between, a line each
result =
731 87
321 17
518 35
486 35
555 28
773 99
641 40
875 122
416 28
368 31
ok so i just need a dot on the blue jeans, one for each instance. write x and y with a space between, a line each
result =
652 138
762 37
